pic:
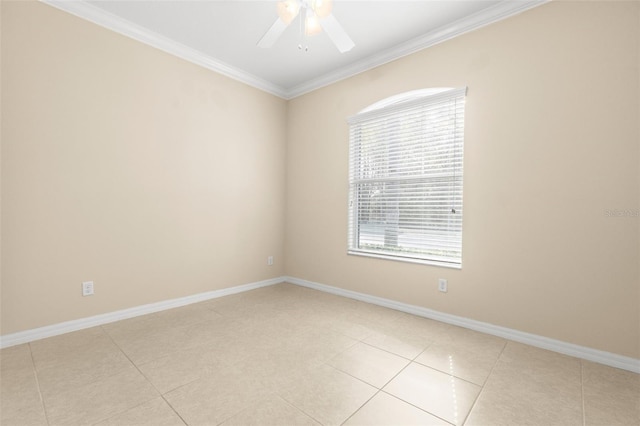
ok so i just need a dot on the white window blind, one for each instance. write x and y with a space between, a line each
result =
405 178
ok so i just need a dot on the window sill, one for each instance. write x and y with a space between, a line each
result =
406 259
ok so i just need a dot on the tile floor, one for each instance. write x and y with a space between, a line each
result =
287 355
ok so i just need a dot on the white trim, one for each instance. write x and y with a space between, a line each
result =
403 101
82 323
402 98
589 354
602 357
500 11
98 16
429 262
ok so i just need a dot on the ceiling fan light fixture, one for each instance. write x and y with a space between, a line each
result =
312 24
288 10
315 17
322 8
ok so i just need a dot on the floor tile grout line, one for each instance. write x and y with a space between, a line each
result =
35 375
475 401
367 383
495 363
446 373
244 410
298 408
380 389
434 369
146 379
180 386
393 353
414 406
396 375
125 354
423 351
360 408
295 408
410 361
162 395
413 361
93 379
161 356
174 410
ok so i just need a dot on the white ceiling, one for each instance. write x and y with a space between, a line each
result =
222 35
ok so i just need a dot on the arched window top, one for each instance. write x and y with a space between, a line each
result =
422 97
404 97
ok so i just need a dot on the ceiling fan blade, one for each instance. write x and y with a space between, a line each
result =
337 34
270 37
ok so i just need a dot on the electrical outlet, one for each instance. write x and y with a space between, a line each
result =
270 260
442 285
87 288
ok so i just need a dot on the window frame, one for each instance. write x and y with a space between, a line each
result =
394 107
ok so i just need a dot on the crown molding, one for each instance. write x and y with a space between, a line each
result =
500 11
127 28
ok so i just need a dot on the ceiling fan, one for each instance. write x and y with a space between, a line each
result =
315 16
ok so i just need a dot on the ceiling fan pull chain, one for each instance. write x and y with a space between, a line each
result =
301 45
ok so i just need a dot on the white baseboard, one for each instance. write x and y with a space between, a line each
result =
602 357
82 323
589 354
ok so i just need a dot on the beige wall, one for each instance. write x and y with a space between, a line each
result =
137 170
552 141
121 164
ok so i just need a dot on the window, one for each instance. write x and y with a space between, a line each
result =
405 178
